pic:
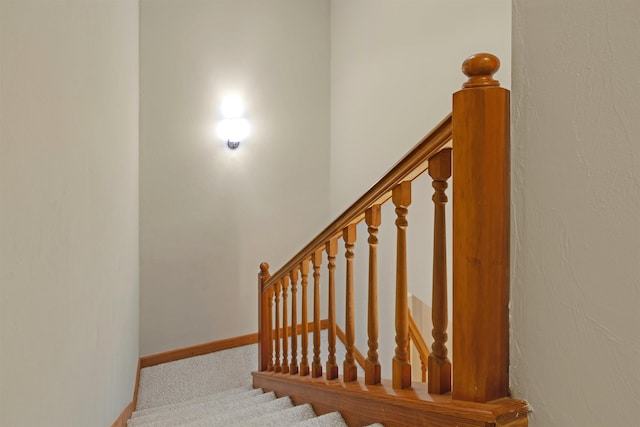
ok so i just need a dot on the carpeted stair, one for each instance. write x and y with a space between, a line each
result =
215 390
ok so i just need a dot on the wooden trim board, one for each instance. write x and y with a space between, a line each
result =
211 347
122 419
360 404
135 389
125 415
197 350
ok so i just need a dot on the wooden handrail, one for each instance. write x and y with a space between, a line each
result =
413 164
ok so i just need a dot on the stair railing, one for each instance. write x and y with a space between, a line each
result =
472 143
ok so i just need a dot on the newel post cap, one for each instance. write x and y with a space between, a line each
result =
480 69
264 267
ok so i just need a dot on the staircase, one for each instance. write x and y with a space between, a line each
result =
215 390
472 389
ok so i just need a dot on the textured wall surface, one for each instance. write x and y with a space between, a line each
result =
68 211
575 307
210 215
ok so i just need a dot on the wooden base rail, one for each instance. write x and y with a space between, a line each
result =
362 405
472 144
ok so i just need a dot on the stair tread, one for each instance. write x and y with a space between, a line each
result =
202 392
289 417
237 417
235 402
196 376
332 419
221 396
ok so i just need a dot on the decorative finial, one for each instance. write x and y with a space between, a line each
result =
480 69
264 267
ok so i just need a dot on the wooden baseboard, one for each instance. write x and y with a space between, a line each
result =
212 347
137 385
197 350
122 419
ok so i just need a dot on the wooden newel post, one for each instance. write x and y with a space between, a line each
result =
264 326
481 234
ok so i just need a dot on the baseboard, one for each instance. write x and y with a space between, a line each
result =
197 350
122 419
137 385
212 347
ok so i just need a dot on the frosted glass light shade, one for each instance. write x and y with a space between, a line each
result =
234 130
232 108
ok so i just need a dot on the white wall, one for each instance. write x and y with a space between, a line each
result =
209 215
394 67
68 211
575 346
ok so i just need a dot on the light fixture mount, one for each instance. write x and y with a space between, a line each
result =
233 144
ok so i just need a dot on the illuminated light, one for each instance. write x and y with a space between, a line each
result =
233 131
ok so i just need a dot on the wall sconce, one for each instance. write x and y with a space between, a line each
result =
233 128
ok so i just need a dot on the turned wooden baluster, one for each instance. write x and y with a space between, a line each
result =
372 364
271 363
278 366
332 367
293 368
316 365
304 362
264 326
350 371
481 207
439 364
401 374
285 327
